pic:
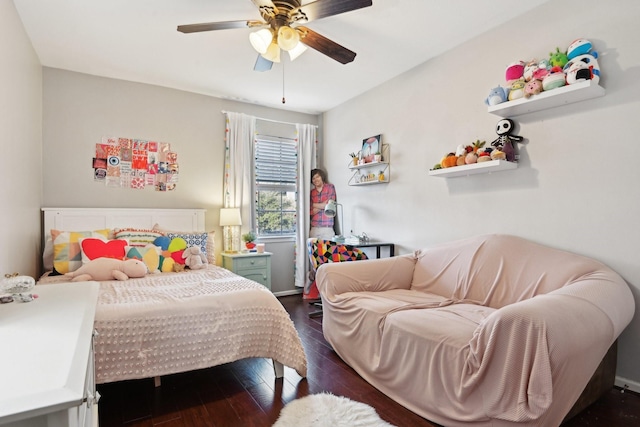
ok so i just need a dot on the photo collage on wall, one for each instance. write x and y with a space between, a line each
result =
135 163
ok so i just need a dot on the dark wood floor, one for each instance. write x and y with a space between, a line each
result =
246 393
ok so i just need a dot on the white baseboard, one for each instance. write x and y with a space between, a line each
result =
627 384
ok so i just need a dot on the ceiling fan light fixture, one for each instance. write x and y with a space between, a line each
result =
297 51
261 39
272 53
288 38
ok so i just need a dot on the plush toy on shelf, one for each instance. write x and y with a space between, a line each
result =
558 59
517 90
583 67
530 68
555 79
578 47
503 143
514 72
533 87
497 95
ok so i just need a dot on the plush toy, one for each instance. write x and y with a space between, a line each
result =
503 142
530 68
583 67
497 95
514 71
578 47
109 269
194 258
517 90
533 87
555 79
558 59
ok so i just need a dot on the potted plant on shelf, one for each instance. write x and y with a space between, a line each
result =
249 239
377 157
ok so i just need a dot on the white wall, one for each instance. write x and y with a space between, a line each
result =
21 139
577 185
79 109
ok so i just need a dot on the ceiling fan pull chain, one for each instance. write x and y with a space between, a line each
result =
283 100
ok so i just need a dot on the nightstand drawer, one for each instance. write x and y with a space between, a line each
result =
253 266
252 262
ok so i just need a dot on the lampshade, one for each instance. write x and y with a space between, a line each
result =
297 51
272 53
261 39
288 38
230 216
331 208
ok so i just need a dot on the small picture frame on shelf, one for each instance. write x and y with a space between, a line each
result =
371 146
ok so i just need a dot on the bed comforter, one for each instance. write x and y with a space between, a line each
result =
176 322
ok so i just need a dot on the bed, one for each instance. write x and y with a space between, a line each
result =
171 322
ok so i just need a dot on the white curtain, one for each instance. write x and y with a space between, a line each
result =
239 158
307 160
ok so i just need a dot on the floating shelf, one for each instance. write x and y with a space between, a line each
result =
473 169
369 165
386 181
549 99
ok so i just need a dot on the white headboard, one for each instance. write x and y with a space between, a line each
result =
80 219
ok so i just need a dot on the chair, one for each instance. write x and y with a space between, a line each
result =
323 251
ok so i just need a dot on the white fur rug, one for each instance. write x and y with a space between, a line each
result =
327 410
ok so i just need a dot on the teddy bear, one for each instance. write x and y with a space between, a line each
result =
194 258
109 269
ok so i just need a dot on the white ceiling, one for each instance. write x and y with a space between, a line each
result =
137 40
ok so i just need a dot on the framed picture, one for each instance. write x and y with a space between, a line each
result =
370 146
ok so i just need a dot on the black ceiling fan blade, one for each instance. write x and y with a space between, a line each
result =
213 26
328 47
262 64
323 8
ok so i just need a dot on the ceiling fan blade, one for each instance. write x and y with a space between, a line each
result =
212 26
262 64
323 8
328 47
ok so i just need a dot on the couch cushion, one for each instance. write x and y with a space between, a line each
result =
497 270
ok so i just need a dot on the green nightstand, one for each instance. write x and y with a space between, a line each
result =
253 265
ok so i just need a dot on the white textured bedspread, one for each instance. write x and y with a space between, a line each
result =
175 322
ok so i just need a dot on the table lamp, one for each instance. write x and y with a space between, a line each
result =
231 220
330 210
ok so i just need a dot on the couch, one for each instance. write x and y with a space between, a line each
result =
487 331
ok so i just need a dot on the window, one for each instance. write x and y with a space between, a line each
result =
276 161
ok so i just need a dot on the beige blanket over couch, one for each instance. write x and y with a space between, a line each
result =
488 331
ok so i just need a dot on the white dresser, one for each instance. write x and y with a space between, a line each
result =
46 358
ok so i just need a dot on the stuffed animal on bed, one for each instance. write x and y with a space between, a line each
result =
194 258
109 269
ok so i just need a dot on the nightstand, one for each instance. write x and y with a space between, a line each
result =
252 265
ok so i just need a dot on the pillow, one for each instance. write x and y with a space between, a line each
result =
67 255
208 249
149 254
94 247
137 236
192 239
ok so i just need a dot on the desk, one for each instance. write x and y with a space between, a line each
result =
371 244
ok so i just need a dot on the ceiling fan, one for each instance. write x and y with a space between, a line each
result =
281 29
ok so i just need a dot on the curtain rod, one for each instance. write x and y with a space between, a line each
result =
270 120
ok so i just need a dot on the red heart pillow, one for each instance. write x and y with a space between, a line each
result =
96 248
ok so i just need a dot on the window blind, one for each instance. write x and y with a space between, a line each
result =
275 161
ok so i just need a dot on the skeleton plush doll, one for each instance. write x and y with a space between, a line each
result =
503 142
